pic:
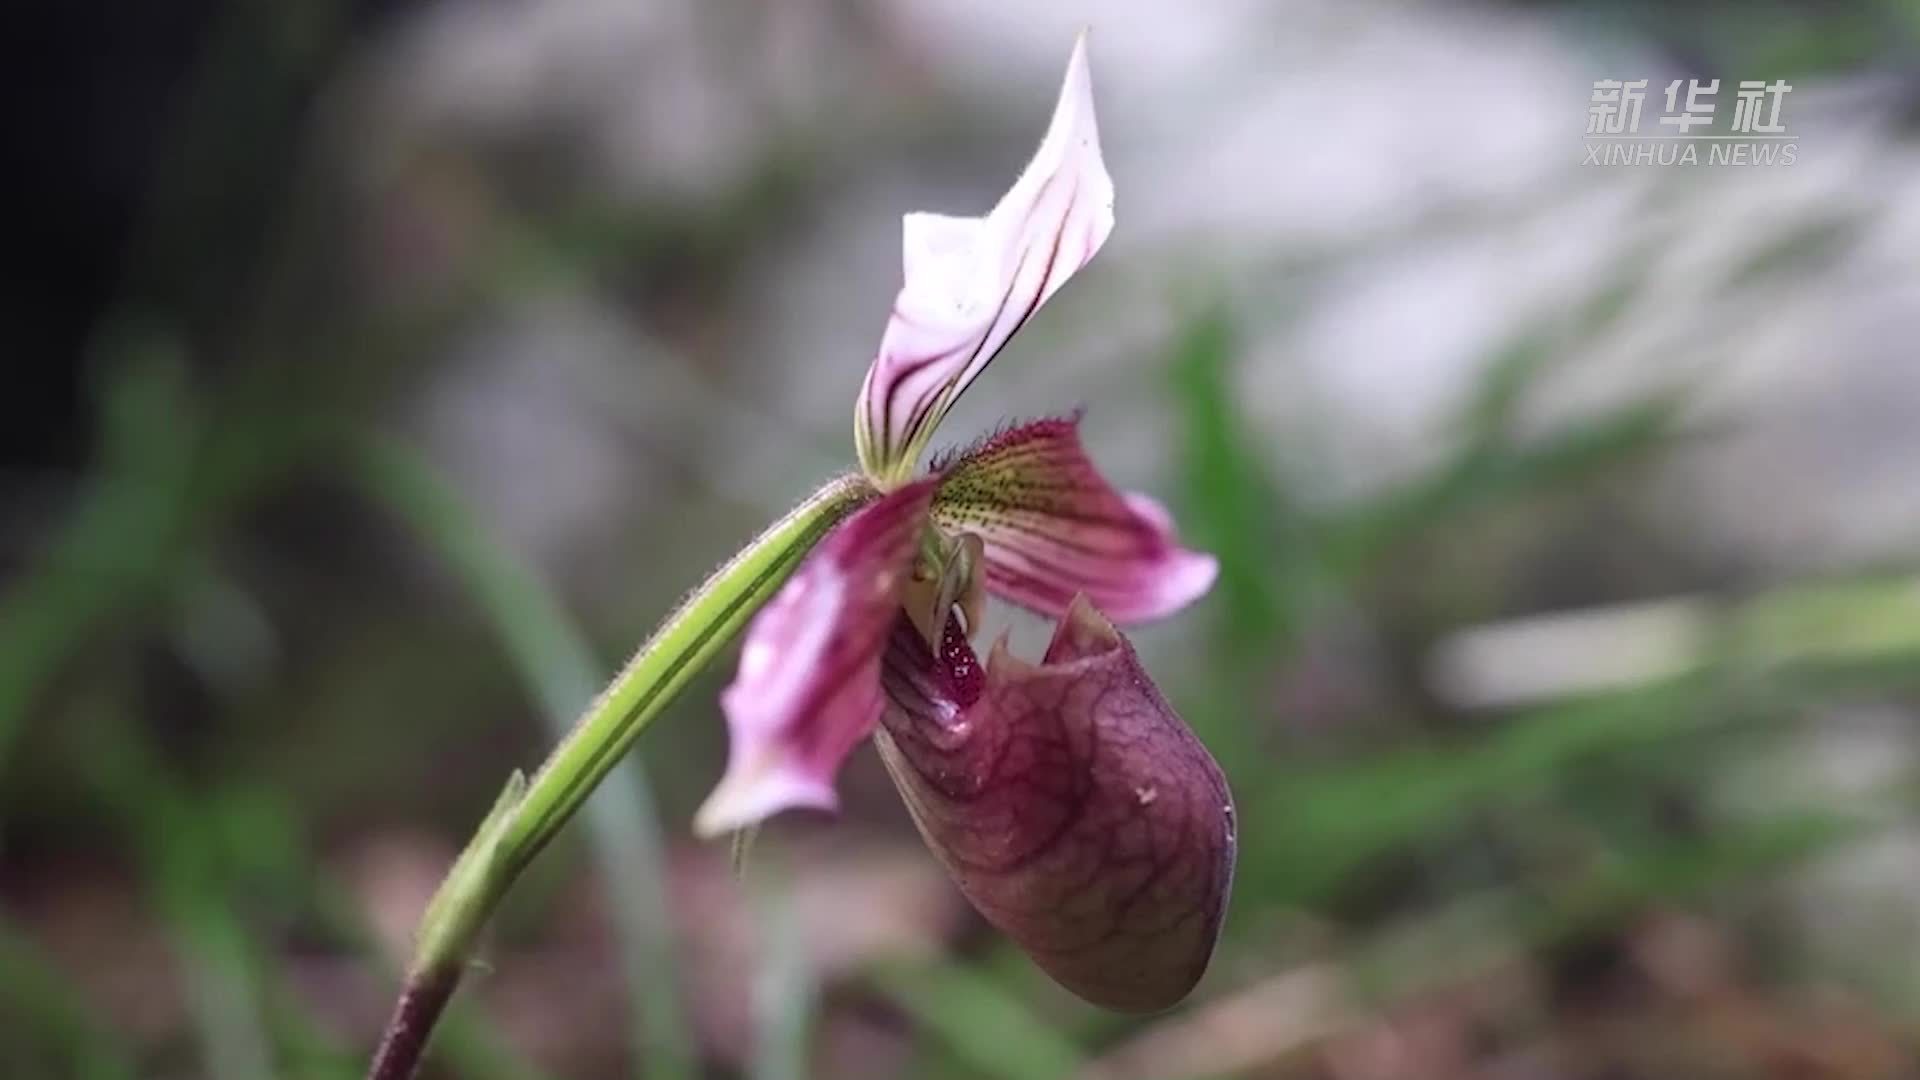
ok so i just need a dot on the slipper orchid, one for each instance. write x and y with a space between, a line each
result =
1072 806
1075 809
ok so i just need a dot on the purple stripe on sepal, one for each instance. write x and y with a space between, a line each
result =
971 283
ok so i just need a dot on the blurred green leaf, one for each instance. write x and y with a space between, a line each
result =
1233 507
112 553
1518 365
1802 249
784 989
36 995
1476 932
1308 829
978 1021
1483 476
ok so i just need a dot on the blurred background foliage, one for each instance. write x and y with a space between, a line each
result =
384 370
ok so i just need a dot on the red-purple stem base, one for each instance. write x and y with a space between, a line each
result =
404 1043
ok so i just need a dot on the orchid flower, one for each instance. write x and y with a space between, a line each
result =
1074 808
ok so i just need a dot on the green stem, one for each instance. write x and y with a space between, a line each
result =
530 812
558 665
677 652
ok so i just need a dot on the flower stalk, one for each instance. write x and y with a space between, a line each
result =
453 921
676 653
530 812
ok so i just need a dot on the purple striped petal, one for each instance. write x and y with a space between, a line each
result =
808 689
1055 528
1072 805
971 282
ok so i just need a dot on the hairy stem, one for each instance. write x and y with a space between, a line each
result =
677 652
529 813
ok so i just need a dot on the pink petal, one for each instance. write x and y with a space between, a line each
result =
1054 527
1071 804
971 282
808 688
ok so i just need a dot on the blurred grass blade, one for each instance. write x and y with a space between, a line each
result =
1482 476
223 993
35 991
1545 343
784 992
117 545
553 657
185 856
1233 508
1801 250
1310 827
1273 583
1479 932
180 858
979 1022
